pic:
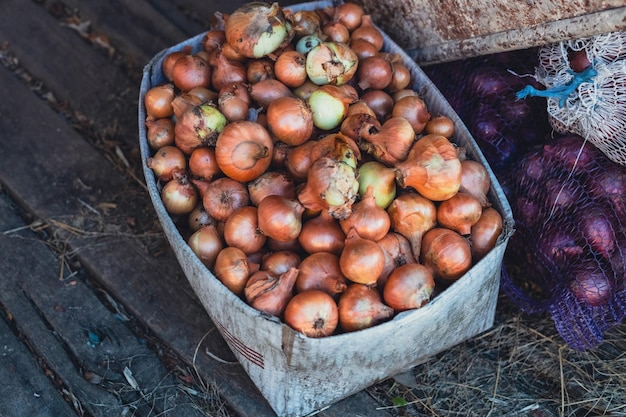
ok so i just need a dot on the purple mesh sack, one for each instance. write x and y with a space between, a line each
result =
567 255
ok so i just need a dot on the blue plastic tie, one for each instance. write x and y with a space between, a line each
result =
562 91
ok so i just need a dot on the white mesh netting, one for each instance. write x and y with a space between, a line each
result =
591 102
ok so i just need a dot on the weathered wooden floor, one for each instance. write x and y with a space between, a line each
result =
97 316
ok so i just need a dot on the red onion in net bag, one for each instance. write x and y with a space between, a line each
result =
568 255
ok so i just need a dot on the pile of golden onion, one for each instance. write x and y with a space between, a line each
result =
308 176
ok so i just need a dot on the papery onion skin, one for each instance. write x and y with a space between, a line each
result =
313 313
271 183
199 217
412 215
329 106
290 68
475 180
369 32
485 233
178 195
331 185
290 119
232 268
241 230
223 196
198 127
280 262
414 110
391 143
440 125
256 29
349 14
206 243
166 161
447 253
170 59
331 63
202 163
433 168
322 234
459 213
410 286
191 71
280 218
266 91
243 150
158 101
362 260
367 219
374 72
160 132
398 252
360 307
269 293
321 271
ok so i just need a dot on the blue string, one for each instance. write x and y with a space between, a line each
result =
562 91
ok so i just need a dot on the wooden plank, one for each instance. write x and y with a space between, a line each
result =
71 68
24 389
135 28
108 356
20 251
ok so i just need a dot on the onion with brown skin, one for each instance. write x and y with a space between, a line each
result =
170 59
241 230
191 71
160 132
225 71
265 92
158 101
485 232
199 217
410 286
459 213
475 181
222 196
206 243
400 76
243 150
367 219
259 69
331 185
391 143
380 102
213 39
233 107
414 110
362 260
290 68
360 307
331 63
271 183
178 195
256 29
166 161
232 268
447 253
349 14
433 168
202 163
187 100
398 252
313 313
280 218
440 125
374 72
336 32
269 293
199 126
322 234
321 271
369 32
280 261
356 124
290 120
412 215
298 160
